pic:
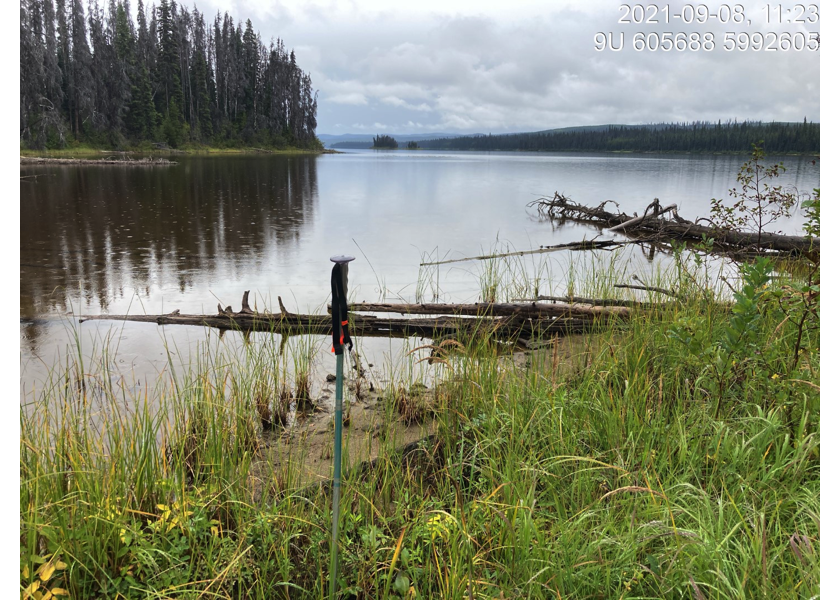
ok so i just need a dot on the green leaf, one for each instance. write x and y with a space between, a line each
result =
653 563
401 584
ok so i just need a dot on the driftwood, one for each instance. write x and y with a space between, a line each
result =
647 288
589 301
656 211
532 310
651 226
508 321
582 245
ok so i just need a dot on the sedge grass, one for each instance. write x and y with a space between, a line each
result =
620 470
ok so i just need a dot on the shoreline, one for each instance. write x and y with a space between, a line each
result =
89 153
571 151
110 160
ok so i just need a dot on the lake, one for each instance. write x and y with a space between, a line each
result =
118 240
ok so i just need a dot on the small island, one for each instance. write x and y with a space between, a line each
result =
384 142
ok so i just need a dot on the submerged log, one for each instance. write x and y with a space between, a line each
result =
653 227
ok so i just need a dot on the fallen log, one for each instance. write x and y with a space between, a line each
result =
582 245
652 226
647 288
505 323
656 212
360 325
532 310
589 301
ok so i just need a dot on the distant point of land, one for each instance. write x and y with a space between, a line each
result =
702 137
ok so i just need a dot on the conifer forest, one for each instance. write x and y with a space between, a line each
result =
698 136
123 76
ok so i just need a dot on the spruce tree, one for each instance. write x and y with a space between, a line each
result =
170 77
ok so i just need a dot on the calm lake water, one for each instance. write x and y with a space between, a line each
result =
120 240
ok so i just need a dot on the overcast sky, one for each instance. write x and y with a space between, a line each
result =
449 66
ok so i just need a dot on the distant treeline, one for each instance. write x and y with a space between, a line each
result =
169 77
664 137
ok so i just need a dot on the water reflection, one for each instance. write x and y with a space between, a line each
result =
155 239
97 234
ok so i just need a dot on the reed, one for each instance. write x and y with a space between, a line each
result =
672 455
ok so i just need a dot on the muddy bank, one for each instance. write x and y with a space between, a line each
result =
377 419
385 418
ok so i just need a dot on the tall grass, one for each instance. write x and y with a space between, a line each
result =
661 458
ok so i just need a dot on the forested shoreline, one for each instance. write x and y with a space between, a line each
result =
699 136
166 78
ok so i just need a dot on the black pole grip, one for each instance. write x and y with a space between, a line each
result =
340 323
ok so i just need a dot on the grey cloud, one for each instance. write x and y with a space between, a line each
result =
474 73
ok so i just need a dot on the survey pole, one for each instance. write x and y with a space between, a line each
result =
341 336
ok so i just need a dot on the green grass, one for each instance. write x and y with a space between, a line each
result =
667 458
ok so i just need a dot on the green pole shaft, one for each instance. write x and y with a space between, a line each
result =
339 420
